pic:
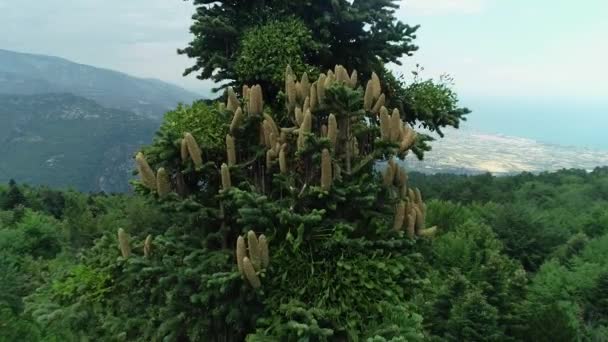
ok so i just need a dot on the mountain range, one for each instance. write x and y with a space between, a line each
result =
64 140
65 124
28 74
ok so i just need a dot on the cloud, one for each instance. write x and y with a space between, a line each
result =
432 7
139 37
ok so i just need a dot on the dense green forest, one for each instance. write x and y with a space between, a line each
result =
517 258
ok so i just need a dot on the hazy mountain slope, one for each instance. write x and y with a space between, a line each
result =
465 151
63 140
31 74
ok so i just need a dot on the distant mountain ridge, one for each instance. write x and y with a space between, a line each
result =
27 74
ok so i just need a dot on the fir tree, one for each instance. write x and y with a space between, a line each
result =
14 197
363 35
252 42
289 232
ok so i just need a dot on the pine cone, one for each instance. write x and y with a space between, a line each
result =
145 172
123 242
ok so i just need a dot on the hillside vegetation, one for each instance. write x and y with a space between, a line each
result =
517 258
63 140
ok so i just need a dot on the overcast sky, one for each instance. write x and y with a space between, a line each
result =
497 50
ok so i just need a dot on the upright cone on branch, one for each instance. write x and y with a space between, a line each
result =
301 144
399 216
256 101
411 225
314 102
246 91
305 85
273 144
272 125
376 86
194 150
395 126
403 191
230 150
299 92
304 129
354 79
330 79
148 246
306 106
307 122
148 178
250 274
252 257
233 101
389 173
123 243
299 115
225 173
416 213
237 119
321 88
379 104
401 177
289 73
385 125
408 139
254 250
184 151
419 219
368 99
418 196
342 75
332 130
326 170
163 183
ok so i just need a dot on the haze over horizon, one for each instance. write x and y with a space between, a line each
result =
516 64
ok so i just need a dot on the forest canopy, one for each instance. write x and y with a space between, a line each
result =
476 280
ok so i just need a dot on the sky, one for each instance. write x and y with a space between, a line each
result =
537 69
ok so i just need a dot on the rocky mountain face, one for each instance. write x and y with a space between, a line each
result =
64 140
65 124
26 74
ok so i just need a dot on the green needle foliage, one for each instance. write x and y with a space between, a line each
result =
309 250
363 35
278 44
251 42
327 275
